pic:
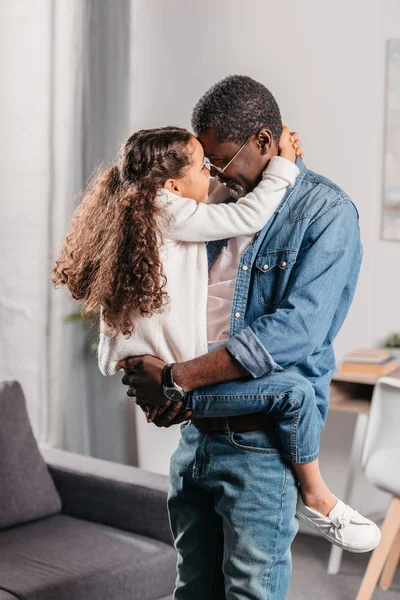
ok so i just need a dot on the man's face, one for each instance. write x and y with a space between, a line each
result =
246 169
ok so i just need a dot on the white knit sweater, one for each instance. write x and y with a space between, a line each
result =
179 333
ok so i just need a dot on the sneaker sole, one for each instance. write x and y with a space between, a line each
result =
309 523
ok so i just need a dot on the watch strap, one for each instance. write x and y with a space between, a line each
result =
167 378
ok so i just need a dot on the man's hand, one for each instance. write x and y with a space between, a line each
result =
143 375
145 382
167 414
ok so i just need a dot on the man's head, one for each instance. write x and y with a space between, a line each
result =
234 110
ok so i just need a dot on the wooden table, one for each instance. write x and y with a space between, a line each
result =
352 394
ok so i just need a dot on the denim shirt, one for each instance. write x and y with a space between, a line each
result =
303 267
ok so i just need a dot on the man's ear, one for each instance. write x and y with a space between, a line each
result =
264 140
172 186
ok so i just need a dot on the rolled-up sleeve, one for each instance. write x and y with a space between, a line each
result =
319 294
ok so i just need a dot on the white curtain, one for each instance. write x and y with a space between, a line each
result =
64 109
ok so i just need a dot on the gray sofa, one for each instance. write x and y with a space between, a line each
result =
74 527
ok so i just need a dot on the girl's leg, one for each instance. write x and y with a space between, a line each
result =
290 398
286 395
314 491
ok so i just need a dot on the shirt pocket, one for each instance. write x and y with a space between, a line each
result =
273 270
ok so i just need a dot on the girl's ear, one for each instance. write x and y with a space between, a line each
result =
172 186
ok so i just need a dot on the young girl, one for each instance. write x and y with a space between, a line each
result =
135 250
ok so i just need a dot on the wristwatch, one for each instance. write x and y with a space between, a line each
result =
172 390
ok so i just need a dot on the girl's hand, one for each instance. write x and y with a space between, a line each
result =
290 144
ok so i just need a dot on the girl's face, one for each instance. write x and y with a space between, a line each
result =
195 183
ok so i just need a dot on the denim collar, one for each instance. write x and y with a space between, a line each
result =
303 169
300 164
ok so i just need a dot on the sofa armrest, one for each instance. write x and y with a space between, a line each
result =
117 495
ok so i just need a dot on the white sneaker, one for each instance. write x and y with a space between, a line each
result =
343 526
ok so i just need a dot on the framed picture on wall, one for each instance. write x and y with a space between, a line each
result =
391 175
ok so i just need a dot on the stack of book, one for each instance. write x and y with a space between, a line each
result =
378 362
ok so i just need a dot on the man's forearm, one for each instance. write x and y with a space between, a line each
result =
214 367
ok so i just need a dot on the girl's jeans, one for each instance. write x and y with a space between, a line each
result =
286 395
232 496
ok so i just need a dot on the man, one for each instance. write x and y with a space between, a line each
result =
276 302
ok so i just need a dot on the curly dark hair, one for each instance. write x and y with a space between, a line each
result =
110 257
236 107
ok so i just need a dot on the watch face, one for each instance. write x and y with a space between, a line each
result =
173 394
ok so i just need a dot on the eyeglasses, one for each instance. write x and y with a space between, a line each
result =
210 166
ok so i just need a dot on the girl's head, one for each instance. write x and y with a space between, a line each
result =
110 256
168 157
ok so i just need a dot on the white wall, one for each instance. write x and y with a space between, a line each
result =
325 63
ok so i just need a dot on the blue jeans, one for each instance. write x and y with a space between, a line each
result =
232 496
286 395
231 503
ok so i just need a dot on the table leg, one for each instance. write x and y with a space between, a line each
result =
335 557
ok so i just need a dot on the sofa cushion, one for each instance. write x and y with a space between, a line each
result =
65 558
27 489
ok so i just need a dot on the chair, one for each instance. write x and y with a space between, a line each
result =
380 462
77 527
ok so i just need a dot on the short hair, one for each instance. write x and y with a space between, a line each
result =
237 107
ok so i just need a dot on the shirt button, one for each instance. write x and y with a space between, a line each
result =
244 268
284 264
265 267
237 315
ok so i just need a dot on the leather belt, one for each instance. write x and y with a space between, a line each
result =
249 422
